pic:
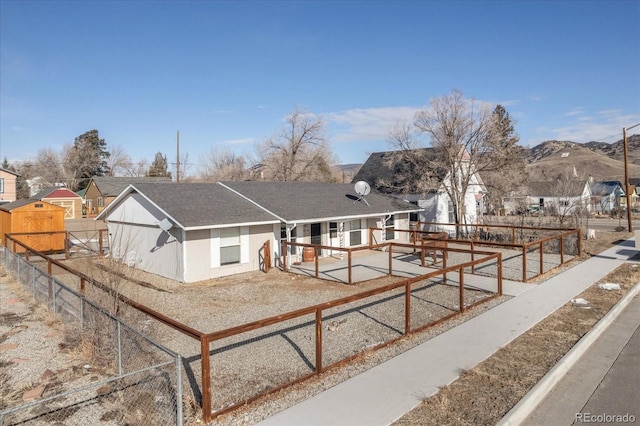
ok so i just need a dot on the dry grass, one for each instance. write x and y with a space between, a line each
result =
483 395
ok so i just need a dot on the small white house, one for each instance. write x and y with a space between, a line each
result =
196 231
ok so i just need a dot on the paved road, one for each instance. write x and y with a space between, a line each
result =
603 384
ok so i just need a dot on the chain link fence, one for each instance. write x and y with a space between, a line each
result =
140 381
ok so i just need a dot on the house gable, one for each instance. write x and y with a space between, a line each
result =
8 186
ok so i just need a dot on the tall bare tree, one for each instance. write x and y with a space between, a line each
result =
118 161
220 164
48 166
466 139
300 152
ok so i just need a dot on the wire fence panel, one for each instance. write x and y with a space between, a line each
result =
425 308
254 362
146 383
354 327
147 397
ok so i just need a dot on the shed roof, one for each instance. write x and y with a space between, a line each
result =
315 201
111 186
23 202
55 192
198 205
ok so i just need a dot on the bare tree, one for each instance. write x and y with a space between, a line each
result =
220 164
300 152
138 169
118 162
467 140
48 167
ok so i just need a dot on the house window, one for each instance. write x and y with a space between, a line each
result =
333 229
413 216
564 203
229 246
355 233
389 225
100 202
1 185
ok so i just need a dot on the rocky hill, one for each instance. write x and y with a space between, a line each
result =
601 160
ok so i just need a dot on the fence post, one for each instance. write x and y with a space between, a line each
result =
119 337
349 264
390 258
541 259
318 341
407 308
561 249
524 263
461 279
179 419
206 379
317 260
499 274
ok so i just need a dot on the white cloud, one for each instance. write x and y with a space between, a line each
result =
363 124
575 111
243 141
605 126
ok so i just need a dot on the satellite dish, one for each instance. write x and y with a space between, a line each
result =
362 188
165 224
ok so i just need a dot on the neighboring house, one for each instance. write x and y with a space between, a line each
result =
38 183
635 185
101 190
62 197
556 197
605 196
196 231
381 169
8 186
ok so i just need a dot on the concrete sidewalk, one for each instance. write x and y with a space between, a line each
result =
386 392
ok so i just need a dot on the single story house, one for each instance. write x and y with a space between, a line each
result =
8 186
554 197
62 197
101 190
383 169
196 231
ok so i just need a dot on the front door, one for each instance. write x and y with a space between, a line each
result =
316 234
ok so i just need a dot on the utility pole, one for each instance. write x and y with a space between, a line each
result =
178 157
627 187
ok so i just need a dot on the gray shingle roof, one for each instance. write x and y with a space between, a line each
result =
605 187
202 204
554 188
388 167
112 186
308 201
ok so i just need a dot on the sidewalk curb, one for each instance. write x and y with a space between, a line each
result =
530 401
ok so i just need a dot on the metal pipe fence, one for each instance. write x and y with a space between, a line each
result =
146 377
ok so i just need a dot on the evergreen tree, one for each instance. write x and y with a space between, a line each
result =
159 166
86 158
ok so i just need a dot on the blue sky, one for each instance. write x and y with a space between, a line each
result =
225 74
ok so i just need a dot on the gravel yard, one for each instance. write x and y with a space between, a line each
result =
286 350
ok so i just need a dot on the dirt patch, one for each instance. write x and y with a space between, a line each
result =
483 395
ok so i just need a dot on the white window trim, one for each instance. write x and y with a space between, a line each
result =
215 248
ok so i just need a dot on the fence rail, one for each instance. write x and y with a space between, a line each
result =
241 364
